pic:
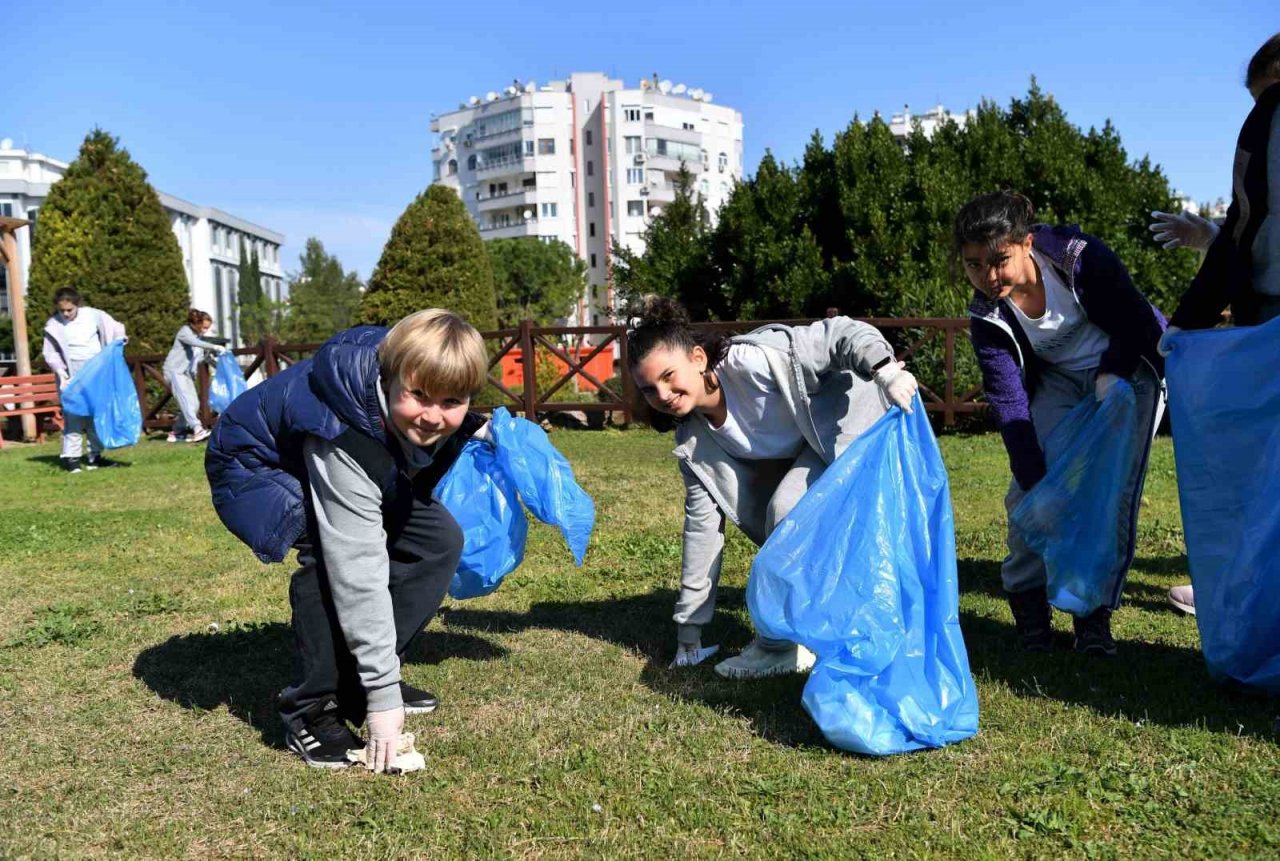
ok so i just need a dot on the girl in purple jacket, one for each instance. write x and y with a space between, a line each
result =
1054 319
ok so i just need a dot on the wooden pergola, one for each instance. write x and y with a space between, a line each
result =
17 305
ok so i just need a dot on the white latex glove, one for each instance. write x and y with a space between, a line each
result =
1103 385
384 737
898 384
1165 347
692 654
63 378
1183 230
484 433
221 349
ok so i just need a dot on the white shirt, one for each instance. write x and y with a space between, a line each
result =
81 337
755 428
1063 335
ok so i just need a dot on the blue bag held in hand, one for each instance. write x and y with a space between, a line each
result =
103 389
484 489
1224 397
863 573
1071 517
226 384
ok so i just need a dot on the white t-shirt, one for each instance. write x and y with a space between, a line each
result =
81 337
1063 335
756 428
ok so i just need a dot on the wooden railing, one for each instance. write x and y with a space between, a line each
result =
270 357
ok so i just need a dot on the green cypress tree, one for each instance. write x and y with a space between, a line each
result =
253 306
104 232
434 258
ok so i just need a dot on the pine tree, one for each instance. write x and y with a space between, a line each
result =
104 232
434 258
535 280
322 299
253 305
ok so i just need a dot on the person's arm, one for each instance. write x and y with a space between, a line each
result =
843 344
353 545
703 549
1117 307
190 339
109 328
53 358
1011 407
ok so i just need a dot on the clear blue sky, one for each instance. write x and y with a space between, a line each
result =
313 118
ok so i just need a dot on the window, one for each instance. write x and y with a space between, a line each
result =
635 176
723 162
549 210
633 145
591 198
528 147
687 126
591 229
453 166
6 209
704 186
546 146
573 149
648 115
591 168
593 261
632 115
586 137
635 208
471 162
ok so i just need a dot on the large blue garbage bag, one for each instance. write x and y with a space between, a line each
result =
226 384
484 491
863 573
1224 402
103 389
1072 517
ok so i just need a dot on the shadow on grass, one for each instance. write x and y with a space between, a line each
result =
1148 682
982 577
54 461
245 668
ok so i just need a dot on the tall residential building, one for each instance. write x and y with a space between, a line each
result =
901 125
210 240
587 161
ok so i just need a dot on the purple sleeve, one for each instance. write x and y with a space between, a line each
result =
1010 404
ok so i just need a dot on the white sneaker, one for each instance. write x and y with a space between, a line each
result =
1184 598
756 662
200 435
173 437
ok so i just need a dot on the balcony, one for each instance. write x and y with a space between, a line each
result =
527 227
671 164
504 199
505 166
671 133
664 193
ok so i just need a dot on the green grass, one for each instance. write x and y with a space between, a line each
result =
133 726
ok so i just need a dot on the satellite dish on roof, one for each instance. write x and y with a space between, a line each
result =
706 97
491 96
510 90
474 100
664 87
696 95
678 89
527 214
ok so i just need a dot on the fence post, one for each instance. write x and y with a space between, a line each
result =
624 373
530 370
140 385
202 386
949 392
267 349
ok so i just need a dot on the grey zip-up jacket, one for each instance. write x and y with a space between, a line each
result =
823 372
183 358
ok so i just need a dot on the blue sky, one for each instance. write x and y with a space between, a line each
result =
313 118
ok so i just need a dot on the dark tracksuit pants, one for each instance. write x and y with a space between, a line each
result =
424 544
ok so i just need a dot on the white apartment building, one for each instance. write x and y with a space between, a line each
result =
210 240
901 125
587 161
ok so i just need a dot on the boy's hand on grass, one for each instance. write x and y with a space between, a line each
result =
384 735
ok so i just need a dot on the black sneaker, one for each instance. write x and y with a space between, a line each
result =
1093 633
1032 617
418 701
320 737
70 464
101 462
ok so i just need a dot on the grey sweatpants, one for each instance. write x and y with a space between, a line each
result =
802 475
184 392
1058 393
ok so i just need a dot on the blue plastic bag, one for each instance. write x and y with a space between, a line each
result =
103 389
863 573
226 384
1224 400
1072 517
484 491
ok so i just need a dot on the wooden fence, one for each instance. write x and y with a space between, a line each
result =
270 357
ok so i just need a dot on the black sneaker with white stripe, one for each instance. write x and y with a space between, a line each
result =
321 737
418 701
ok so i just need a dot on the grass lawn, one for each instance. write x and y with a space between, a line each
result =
141 647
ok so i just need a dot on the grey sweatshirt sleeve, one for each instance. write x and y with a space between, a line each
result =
191 339
700 566
348 505
841 343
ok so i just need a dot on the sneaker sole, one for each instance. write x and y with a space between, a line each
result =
296 746
1189 609
743 674
1096 651
419 710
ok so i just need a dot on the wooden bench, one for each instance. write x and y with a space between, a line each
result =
35 395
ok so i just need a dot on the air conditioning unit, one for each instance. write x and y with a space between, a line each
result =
640 158
644 192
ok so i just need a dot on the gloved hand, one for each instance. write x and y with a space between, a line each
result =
1103 385
1183 230
898 384
64 377
384 737
1165 347
692 654
222 348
